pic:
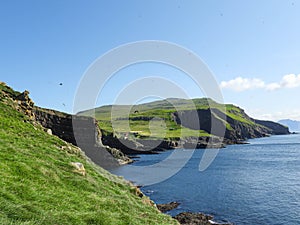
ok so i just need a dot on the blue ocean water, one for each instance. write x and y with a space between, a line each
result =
257 183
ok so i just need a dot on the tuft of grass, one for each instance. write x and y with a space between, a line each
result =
40 186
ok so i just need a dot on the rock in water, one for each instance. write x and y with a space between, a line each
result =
189 218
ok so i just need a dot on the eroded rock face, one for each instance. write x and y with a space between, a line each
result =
25 103
276 128
83 132
137 146
61 125
213 121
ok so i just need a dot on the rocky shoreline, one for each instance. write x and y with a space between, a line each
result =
189 218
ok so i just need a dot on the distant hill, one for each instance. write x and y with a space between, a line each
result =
293 125
181 122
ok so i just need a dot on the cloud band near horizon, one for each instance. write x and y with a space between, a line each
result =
239 84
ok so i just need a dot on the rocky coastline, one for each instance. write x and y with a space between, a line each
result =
189 218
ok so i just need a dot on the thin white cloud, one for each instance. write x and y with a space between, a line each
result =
272 86
290 81
243 84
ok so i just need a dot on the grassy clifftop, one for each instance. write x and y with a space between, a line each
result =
40 186
160 120
158 112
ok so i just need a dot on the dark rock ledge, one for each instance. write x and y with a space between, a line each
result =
189 218
167 207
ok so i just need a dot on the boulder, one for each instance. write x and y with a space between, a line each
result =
167 207
79 168
49 131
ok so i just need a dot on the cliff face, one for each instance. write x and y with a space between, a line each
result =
275 128
61 125
138 146
233 130
83 132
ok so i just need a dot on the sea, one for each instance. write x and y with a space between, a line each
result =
248 184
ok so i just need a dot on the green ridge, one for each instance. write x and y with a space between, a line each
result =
139 116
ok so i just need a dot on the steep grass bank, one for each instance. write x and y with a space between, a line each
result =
40 186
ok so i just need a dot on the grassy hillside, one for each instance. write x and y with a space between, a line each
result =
140 116
40 186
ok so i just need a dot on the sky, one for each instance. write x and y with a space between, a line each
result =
252 48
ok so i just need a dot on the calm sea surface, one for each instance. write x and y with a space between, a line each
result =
258 183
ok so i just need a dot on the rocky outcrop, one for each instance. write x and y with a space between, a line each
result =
202 142
167 207
153 146
25 103
189 218
20 101
133 147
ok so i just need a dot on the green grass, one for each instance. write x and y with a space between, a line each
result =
39 186
157 125
238 114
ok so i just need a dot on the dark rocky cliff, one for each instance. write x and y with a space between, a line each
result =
61 125
83 132
275 128
138 146
233 130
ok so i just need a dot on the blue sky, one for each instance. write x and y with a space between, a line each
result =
252 48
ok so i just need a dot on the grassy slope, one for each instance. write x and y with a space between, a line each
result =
160 109
39 186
